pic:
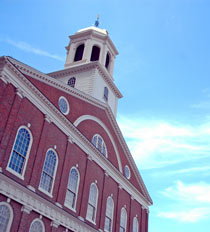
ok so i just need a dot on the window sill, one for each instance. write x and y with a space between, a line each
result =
93 222
15 173
72 209
45 192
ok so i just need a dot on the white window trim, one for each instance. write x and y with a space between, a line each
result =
68 106
21 176
106 155
37 219
89 219
76 194
135 218
11 215
129 172
106 97
112 213
123 209
56 165
71 78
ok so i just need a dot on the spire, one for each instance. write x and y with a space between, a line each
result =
97 21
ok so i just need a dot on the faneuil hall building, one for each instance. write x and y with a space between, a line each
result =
64 164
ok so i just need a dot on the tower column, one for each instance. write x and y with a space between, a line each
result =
103 54
111 69
87 50
70 54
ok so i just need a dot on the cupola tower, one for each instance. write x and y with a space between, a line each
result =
89 65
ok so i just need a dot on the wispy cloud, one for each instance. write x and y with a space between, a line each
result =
156 144
192 215
193 200
189 170
29 48
189 193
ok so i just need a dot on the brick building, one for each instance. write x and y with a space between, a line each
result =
64 164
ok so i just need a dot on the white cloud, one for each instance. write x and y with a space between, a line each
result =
193 202
192 215
191 193
28 48
189 170
155 144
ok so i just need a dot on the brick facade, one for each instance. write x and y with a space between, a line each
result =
20 107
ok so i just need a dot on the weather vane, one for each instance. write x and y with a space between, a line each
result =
97 21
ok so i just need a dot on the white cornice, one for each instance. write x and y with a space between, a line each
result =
32 201
91 32
35 96
88 66
35 74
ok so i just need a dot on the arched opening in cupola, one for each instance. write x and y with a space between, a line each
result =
95 53
79 52
107 60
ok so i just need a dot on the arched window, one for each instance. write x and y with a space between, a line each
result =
20 152
99 143
135 225
107 60
79 52
123 220
37 226
72 81
106 93
92 203
6 216
95 53
48 172
72 188
109 214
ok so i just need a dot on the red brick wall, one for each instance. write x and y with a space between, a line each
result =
16 111
78 108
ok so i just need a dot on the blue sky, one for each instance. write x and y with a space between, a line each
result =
163 71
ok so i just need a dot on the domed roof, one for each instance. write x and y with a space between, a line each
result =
97 29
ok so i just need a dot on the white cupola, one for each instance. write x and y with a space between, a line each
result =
89 65
89 45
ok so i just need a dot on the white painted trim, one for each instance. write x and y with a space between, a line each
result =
67 103
135 219
126 221
93 118
109 197
24 196
39 220
26 209
54 174
21 176
11 215
95 213
59 205
129 172
76 194
103 143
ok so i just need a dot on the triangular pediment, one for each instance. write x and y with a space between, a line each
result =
46 90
